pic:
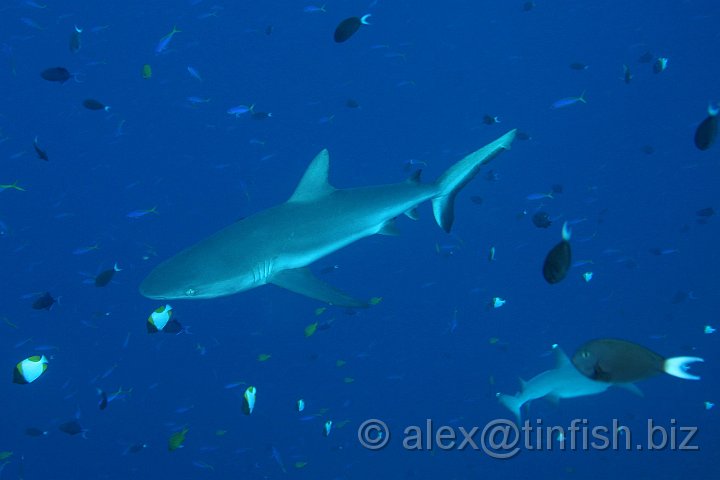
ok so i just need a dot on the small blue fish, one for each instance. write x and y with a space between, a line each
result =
31 23
194 73
240 110
565 102
539 196
197 100
313 9
84 250
142 213
165 41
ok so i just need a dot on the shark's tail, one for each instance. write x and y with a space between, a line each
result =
512 403
457 176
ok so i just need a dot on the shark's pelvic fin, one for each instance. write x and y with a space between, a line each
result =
457 176
390 228
314 184
302 281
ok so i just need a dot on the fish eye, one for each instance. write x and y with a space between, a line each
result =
585 354
190 292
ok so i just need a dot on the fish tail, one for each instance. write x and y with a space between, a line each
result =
581 98
457 176
678 367
566 232
512 403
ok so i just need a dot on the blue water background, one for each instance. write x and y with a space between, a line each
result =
424 74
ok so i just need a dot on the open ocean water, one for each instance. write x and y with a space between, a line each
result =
421 86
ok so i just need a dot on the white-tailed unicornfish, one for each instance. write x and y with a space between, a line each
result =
30 369
275 246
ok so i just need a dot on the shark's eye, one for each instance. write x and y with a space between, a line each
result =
585 354
190 292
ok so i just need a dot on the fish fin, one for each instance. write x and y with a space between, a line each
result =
678 367
302 281
512 403
314 183
561 360
412 213
415 177
457 176
552 398
632 388
389 228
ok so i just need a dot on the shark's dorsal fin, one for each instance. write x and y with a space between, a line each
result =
314 183
561 360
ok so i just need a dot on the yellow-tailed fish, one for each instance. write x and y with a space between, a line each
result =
177 439
263 357
310 329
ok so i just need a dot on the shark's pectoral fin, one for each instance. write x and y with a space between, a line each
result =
302 281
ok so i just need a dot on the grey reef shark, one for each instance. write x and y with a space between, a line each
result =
563 381
276 245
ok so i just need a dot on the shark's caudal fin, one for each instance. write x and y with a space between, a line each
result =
513 403
457 176
678 367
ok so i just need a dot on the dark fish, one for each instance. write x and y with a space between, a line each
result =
43 302
706 212
646 57
578 66
35 432
56 74
75 42
72 427
541 220
92 104
619 361
269 30
350 103
627 75
707 130
492 176
105 277
42 155
556 189
647 149
679 297
522 136
476 199
558 260
137 447
490 120
348 27
260 115
527 6
102 405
